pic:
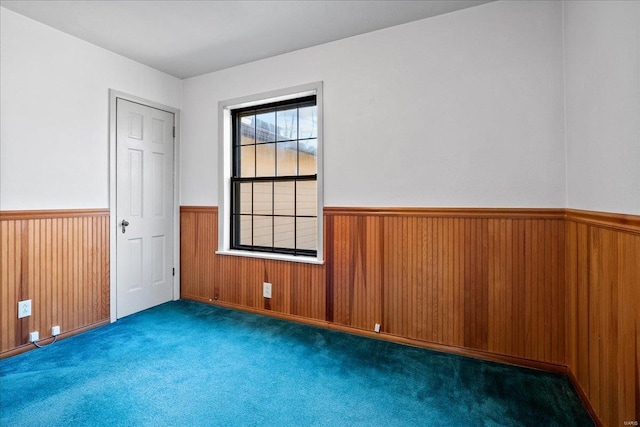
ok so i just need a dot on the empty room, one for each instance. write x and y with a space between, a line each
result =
319 213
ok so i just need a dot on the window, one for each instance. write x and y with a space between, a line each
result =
271 204
274 179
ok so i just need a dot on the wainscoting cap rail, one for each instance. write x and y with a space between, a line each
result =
620 222
51 214
198 208
493 213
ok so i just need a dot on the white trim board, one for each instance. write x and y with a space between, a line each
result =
224 167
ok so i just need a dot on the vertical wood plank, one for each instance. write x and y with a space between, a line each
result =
628 373
571 302
584 304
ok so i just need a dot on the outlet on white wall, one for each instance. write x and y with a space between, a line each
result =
24 308
266 290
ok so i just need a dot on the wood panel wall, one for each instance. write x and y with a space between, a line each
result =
298 289
603 312
59 260
561 287
556 287
479 279
485 280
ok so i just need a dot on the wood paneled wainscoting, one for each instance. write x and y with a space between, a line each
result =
60 260
555 289
298 289
475 279
603 312
485 282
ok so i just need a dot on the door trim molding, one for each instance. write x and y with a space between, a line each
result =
113 227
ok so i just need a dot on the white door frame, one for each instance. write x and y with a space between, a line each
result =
113 220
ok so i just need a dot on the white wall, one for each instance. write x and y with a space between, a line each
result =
54 114
464 109
602 65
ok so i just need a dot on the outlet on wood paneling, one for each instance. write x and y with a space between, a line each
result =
488 284
59 260
297 289
547 285
493 282
524 283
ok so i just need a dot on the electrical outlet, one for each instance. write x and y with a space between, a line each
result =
55 330
24 308
266 290
34 336
377 327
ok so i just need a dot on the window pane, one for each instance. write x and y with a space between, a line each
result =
287 158
283 198
308 156
266 159
306 233
308 122
247 161
306 198
245 230
244 195
266 127
283 232
262 198
247 130
287 125
263 231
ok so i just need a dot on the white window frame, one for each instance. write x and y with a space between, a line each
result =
224 168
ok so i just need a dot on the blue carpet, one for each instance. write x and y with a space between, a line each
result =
190 364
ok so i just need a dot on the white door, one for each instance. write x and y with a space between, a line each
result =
144 206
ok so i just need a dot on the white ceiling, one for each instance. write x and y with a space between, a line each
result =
188 38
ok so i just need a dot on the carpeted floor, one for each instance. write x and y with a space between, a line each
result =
190 364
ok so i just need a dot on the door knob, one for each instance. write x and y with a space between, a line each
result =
124 224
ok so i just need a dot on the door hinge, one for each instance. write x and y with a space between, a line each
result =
174 131
174 271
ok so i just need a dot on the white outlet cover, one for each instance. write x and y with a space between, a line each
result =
34 336
55 330
24 308
266 290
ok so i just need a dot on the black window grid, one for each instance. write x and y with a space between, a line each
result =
236 179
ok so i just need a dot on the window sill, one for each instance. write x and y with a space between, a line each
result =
276 257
